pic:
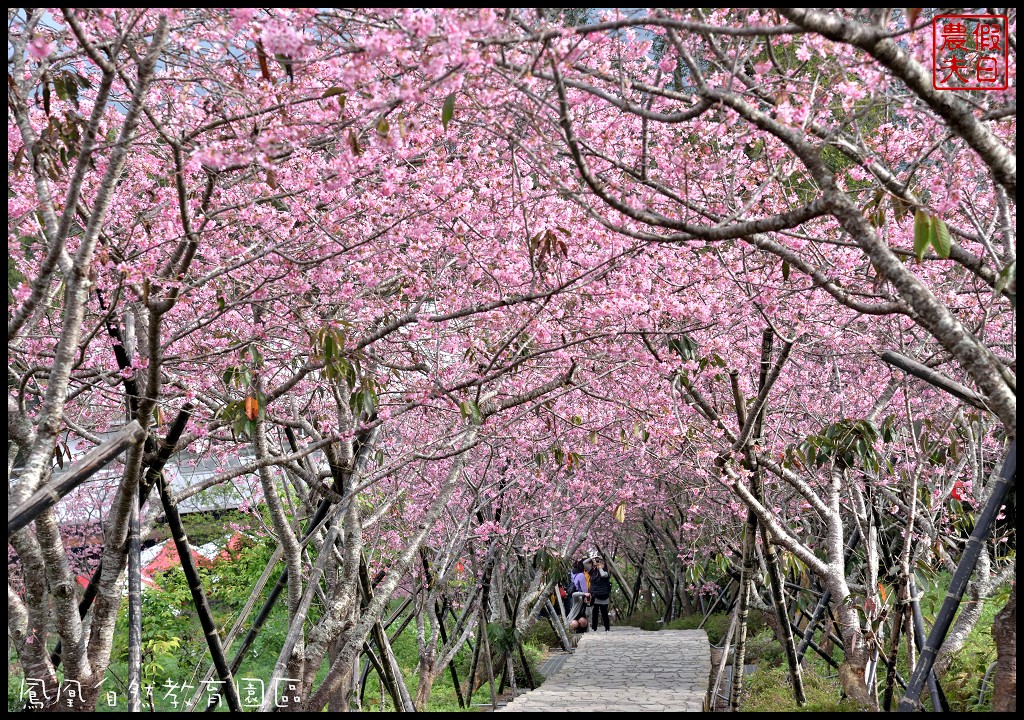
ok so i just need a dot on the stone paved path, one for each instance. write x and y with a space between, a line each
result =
627 670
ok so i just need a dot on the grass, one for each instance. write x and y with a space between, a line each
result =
768 690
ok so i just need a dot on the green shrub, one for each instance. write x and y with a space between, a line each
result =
541 635
716 626
764 649
644 619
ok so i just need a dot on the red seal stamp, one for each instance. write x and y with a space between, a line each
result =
969 52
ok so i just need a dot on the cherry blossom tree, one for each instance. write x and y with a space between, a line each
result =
450 295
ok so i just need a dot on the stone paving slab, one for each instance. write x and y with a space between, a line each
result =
627 670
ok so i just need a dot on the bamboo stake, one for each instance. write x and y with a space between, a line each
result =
233 633
134 604
485 601
440 608
958 584
451 665
275 592
559 627
396 671
526 668
778 597
199 600
377 666
296 622
934 691
720 673
387 673
718 599
898 621
816 648
485 641
751 429
401 609
97 458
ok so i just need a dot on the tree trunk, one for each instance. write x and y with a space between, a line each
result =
854 665
427 676
1004 632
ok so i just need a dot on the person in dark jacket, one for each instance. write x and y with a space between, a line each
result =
601 591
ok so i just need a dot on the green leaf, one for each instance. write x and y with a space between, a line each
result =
353 141
383 128
1006 275
922 226
71 87
933 239
470 410
684 347
785 270
335 92
369 402
58 85
943 243
448 110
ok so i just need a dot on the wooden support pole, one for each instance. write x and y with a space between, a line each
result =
199 601
51 493
720 673
134 604
779 600
958 584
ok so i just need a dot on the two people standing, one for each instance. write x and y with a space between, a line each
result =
591 584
